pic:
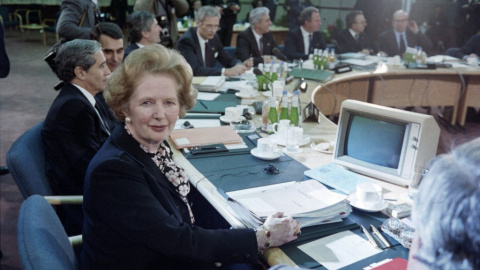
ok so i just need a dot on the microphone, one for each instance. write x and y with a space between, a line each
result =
276 51
257 71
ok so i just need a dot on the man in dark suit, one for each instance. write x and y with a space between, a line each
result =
77 19
201 47
74 129
354 39
404 34
144 30
110 36
471 49
257 40
301 42
294 8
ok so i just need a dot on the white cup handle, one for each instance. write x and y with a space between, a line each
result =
274 129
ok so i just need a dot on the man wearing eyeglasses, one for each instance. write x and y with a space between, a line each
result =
354 39
202 48
404 34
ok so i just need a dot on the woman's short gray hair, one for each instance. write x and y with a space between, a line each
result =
447 210
75 53
257 14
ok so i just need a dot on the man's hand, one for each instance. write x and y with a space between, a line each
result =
365 51
248 63
412 25
235 8
236 70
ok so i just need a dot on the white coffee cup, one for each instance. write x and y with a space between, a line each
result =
246 91
294 137
278 87
369 195
472 61
232 113
266 146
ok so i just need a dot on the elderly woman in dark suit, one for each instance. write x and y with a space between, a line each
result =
140 210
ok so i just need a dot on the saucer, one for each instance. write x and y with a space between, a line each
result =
228 121
305 140
249 95
264 156
323 147
352 198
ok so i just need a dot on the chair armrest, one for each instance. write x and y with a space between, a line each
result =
34 11
16 17
46 22
59 200
75 240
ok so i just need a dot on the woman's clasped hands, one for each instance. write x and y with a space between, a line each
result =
276 231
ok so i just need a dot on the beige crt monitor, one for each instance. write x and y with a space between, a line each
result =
383 142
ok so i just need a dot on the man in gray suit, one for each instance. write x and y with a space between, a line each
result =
77 19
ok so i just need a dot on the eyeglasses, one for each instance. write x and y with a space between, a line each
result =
399 231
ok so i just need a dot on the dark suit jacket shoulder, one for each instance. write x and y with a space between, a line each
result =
72 134
142 223
132 47
188 45
346 43
247 46
294 46
387 41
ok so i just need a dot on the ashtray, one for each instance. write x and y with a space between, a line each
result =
243 127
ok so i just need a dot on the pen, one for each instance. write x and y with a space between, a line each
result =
203 104
206 148
380 236
369 236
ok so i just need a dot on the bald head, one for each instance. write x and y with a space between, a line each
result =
400 20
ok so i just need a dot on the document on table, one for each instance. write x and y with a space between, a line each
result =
337 177
339 250
198 123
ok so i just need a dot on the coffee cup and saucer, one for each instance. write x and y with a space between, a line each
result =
266 149
368 197
232 114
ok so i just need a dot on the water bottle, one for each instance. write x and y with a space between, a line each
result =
284 104
295 110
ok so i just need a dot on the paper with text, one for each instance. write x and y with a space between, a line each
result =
339 250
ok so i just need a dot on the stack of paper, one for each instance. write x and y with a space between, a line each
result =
208 84
309 202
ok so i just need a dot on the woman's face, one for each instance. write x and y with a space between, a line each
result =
153 109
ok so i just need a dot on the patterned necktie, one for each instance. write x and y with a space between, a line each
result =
401 48
102 118
310 47
261 46
207 55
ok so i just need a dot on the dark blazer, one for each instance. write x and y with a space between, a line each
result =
72 13
247 46
72 134
134 218
132 47
472 46
294 46
189 46
346 43
388 43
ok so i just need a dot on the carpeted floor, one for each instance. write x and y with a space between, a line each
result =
26 95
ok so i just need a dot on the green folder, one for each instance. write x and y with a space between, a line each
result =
312 74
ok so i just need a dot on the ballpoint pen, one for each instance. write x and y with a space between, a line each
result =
369 236
203 104
206 148
380 236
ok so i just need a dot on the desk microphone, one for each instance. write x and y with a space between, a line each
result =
276 51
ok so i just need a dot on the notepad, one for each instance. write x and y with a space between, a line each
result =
182 138
337 177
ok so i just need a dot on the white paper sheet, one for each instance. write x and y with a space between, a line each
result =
207 96
339 250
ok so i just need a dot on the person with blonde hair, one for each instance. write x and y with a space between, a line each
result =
140 210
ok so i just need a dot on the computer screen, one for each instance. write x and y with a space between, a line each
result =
384 143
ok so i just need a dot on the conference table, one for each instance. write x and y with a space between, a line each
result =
455 89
